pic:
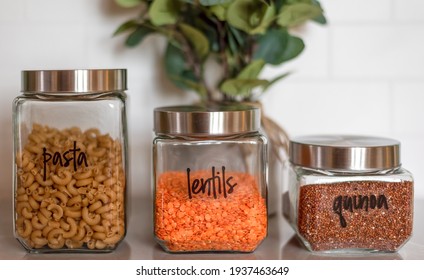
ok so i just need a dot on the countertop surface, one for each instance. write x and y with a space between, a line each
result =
139 243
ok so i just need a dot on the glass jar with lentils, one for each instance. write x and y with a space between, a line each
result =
209 175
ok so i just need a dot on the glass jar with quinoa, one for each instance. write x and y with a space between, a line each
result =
349 194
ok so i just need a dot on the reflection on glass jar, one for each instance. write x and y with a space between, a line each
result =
70 160
350 194
209 179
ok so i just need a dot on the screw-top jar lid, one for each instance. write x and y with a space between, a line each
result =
207 120
74 81
345 152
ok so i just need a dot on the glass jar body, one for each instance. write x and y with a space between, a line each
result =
342 212
210 193
70 171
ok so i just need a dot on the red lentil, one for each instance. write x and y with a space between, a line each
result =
237 222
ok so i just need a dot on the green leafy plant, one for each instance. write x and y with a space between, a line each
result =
241 35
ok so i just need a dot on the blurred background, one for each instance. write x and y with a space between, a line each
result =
362 73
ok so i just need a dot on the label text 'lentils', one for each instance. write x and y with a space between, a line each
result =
215 185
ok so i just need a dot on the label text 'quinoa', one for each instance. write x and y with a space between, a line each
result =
355 202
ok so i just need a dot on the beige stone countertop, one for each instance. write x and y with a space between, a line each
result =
139 243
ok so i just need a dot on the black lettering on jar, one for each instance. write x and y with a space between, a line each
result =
215 185
65 159
351 203
360 202
337 208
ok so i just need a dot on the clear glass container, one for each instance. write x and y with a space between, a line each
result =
210 172
349 194
70 160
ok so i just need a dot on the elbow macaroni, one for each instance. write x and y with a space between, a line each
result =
57 207
63 178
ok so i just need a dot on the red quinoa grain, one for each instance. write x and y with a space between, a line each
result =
373 215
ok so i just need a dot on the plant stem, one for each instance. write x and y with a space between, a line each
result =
249 51
194 63
222 48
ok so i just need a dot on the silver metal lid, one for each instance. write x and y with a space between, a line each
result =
345 152
206 120
74 81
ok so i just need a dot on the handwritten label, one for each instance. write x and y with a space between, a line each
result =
216 184
351 203
65 159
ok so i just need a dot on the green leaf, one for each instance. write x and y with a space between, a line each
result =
279 4
163 12
271 46
290 2
276 79
197 39
252 70
321 18
211 33
137 36
175 61
296 14
178 71
189 84
220 11
238 36
213 2
131 24
242 87
251 16
295 46
278 46
232 43
235 40
267 2
128 3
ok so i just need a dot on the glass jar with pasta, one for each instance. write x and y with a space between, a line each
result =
70 160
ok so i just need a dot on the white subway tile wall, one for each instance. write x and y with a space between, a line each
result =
363 73
408 10
13 11
377 51
358 11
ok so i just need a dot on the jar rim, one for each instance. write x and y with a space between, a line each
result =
73 81
204 120
345 152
